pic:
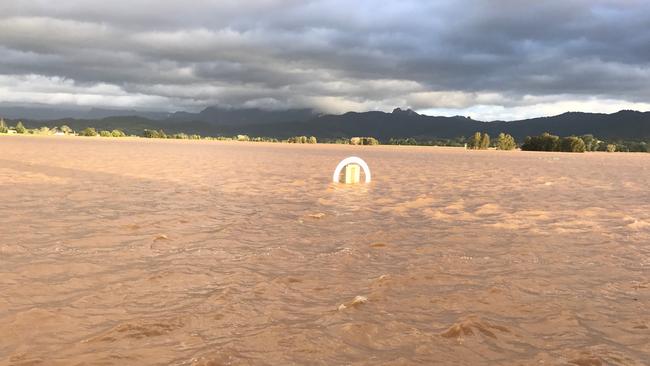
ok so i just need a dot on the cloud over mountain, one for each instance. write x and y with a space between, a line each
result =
476 56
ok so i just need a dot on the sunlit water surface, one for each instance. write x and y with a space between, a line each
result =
117 252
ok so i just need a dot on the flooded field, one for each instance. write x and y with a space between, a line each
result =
119 252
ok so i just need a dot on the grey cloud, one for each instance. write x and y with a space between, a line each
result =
276 53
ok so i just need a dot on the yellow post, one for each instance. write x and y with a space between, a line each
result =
352 173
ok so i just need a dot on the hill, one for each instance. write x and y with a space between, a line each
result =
214 121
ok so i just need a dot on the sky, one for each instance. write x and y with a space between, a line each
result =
487 59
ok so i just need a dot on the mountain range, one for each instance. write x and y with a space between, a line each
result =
401 123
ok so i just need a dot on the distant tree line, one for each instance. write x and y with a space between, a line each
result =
20 128
481 141
477 141
549 142
160 134
302 140
90 132
459 141
629 146
364 141
543 142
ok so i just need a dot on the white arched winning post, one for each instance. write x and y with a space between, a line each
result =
351 160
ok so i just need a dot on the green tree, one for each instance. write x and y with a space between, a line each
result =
611 148
150 134
474 142
402 141
635 146
88 131
364 141
591 143
543 142
485 142
20 128
299 140
370 141
312 140
104 133
572 144
118 133
548 142
3 126
506 142
67 130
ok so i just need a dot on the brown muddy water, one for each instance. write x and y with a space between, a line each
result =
143 252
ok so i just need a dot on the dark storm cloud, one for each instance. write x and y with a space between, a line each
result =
335 55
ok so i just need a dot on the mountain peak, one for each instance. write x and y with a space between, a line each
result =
408 111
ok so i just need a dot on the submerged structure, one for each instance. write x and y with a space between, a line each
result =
353 166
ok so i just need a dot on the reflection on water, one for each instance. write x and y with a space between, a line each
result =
205 253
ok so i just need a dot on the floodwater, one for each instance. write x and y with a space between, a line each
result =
150 252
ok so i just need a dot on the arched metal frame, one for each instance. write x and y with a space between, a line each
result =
348 161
